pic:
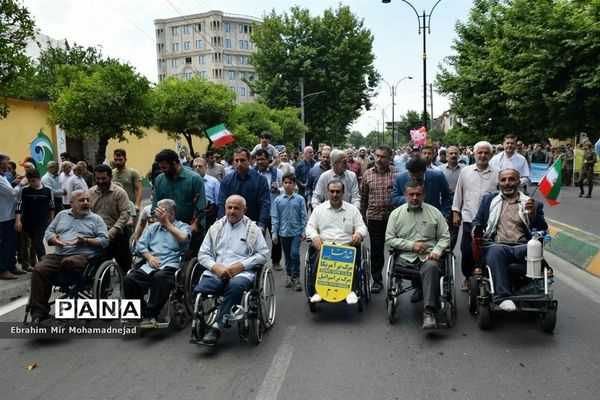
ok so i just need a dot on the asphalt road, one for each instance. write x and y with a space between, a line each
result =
335 353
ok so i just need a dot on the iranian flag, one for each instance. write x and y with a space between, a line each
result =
219 135
551 183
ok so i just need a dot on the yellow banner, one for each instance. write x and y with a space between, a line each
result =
335 272
579 162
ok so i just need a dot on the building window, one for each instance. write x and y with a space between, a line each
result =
250 76
160 32
241 76
240 28
227 43
162 64
228 59
242 91
199 44
202 74
226 26
188 60
187 29
187 46
174 63
232 89
243 60
201 59
198 27
188 75
230 75
175 46
175 31
160 47
161 77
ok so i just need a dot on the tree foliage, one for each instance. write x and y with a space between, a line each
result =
104 103
189 107
16 29
356 140
331 53
526 67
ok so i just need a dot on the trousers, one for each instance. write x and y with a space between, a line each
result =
160 282
232 289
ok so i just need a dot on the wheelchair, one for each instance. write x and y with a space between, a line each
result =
362 275
532 295
102 278
254 315
395 277
177 311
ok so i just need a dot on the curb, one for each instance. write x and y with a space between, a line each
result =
580 248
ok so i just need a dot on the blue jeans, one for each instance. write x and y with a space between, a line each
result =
497 258
291 250
232 290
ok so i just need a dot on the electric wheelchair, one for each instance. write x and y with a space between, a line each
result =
395 286
254 315
362 275
102 278
532 290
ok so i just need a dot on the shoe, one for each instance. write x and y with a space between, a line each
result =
580 194
417 295
589 196
148 323
316 298
508 306
18 271
277 267
297 285
352 298
465 286
7 276
288 282
211 337
53 323
429 321
376 287
29 268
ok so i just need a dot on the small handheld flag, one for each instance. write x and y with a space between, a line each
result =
219 135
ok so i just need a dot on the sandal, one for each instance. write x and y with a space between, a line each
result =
7 276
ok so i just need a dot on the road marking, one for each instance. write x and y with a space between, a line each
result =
5 309
269 390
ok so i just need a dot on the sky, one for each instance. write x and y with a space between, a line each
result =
124 29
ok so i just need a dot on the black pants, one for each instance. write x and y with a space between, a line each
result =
118 248
276 248
453 230
36 234
377 237
160 281
467 264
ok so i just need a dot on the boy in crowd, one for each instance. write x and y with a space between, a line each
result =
288 219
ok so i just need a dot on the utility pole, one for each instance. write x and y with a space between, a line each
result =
431 104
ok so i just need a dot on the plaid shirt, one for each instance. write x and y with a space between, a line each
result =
376 193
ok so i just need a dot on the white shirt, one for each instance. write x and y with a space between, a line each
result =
335 226
62 180
472 185
75 183
501 161
348 178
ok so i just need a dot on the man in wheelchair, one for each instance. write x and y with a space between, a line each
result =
419 232
231 250
508 217
339 222
76 234
160 245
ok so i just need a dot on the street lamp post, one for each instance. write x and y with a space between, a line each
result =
302 97
393 90
425 23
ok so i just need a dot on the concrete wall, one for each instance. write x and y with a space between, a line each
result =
19 138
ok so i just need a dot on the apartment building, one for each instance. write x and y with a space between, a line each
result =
213 45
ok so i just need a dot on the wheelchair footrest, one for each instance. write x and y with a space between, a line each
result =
238 313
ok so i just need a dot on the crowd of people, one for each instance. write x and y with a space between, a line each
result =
414 200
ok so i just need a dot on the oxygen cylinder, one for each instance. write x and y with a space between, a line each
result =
534 258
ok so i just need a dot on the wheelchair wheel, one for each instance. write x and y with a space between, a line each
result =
307 274
391 309
193 271
178 316
256 330
484 316
108 281
200 322
266 297
366 270
549 319
312 306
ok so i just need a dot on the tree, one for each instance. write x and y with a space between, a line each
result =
103 104
189 107
523 66
16 29
409 121
332 54
357 140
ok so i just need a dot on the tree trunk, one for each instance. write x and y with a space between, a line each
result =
188 137
102 145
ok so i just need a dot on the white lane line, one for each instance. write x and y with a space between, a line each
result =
269 390
5 309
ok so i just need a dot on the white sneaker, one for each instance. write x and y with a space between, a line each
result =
508 305
352 298
316 298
